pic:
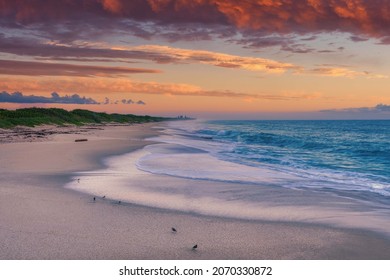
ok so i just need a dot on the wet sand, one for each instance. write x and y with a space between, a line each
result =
40 219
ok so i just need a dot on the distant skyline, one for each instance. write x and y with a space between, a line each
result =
231 59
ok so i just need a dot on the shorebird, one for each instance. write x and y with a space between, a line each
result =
119 202
194 247
174 230
94 198
104 197
78 180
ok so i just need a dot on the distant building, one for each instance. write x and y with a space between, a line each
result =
184 117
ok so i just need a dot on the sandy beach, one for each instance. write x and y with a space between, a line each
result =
40 219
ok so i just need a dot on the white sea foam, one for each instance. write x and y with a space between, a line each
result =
204 166
123 180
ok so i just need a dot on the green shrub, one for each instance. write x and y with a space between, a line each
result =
38 116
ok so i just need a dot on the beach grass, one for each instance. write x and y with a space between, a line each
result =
38 116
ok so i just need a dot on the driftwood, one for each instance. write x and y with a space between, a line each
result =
81 140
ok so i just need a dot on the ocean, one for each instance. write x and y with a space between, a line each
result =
327 172
340 155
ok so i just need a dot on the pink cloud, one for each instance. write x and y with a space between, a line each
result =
33 68
369 17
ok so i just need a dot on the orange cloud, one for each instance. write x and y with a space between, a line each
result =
114 6
370 17
113 86
217 59
176 55
312 15
104 85
299 16
343 72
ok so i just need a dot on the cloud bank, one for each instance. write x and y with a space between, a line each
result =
156 53
378 109
18 97
369 17
55 98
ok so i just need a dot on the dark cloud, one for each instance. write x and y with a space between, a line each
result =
262 40
311 38
62 10
297 48
325 51
129 101
202 18
385 40
293 43
378 109
32 68
382 108
52 50
356 38
18 97
80 59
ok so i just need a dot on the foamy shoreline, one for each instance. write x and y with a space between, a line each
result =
39 219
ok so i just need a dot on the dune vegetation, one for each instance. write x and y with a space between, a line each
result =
38 116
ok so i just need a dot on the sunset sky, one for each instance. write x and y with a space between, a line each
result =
205 58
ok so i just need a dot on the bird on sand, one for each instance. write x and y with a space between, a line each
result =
119 202
195 247
94 198
104 197
174 230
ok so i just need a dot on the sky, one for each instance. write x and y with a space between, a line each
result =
230 59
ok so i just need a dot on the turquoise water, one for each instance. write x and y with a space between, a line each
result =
329 155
